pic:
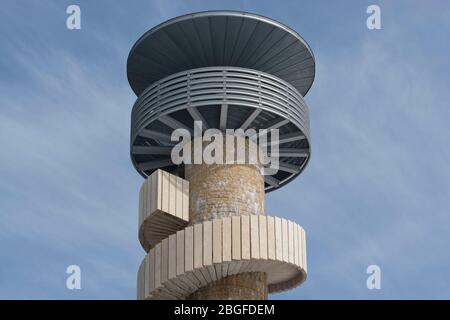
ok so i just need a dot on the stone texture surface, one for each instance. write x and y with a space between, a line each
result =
243 286
222 190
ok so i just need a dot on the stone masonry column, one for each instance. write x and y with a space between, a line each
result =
224 190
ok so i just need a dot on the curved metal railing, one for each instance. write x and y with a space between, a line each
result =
218 86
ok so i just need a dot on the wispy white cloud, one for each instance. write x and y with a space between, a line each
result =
375 191
67 182
377 187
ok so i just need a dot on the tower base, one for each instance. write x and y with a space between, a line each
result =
243 286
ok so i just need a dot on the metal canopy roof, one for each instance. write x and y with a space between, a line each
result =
221 38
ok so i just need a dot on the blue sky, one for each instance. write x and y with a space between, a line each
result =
376 191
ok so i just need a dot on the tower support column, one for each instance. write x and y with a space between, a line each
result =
242 286
225 190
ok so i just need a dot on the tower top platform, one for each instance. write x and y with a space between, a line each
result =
221 38
229 70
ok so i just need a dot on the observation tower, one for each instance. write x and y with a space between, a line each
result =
204 226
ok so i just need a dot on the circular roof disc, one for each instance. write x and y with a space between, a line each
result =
221 38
